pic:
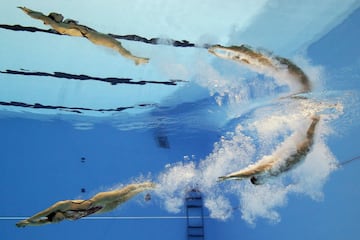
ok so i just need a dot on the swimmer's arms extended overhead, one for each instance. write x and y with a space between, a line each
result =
55 21
41 217
261 166
35 14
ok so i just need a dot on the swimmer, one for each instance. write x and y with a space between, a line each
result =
55 20
76 209
72 28
270 166
265 63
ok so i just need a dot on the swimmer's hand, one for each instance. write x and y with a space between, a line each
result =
22 223
222 178
26 10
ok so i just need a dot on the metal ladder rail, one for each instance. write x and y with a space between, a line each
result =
195 215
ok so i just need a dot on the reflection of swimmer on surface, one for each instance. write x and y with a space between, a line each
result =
76 209
262 62
270 166
72 28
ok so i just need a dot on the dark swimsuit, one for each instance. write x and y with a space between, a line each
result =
76 214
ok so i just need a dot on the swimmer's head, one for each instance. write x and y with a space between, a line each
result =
57 17
70 21
258 180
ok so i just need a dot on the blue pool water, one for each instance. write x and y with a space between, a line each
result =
186 118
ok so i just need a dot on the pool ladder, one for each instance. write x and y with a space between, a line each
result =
194 215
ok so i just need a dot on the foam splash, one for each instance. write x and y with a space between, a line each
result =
237 152
262 132
261 201
174 183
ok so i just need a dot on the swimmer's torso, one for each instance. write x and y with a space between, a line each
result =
77 214
66 29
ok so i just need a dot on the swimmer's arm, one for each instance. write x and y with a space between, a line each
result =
59 206
26 222
36 15
257 168
242 174
41 217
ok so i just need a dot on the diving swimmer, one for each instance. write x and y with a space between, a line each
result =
264 63
270 166
72 28
76 209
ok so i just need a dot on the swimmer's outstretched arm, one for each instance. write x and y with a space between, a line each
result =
257 168
38 222
36 15
40 218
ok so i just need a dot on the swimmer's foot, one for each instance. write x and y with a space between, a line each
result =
139 61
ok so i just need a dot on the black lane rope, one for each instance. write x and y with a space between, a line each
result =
111 80
79 110
27 29
132 37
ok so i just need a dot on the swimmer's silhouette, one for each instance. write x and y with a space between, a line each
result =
270 166
76 209
264 63
72 28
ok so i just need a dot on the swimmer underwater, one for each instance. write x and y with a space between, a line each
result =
271 166
76 209
265 63
72 28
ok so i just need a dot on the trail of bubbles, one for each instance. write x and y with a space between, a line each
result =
262 132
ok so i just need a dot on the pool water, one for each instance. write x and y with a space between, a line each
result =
78 118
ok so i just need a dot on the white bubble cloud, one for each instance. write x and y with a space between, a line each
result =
272 127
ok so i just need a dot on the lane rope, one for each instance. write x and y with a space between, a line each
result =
131 37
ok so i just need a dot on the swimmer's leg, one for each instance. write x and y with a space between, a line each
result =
123 194
126 53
